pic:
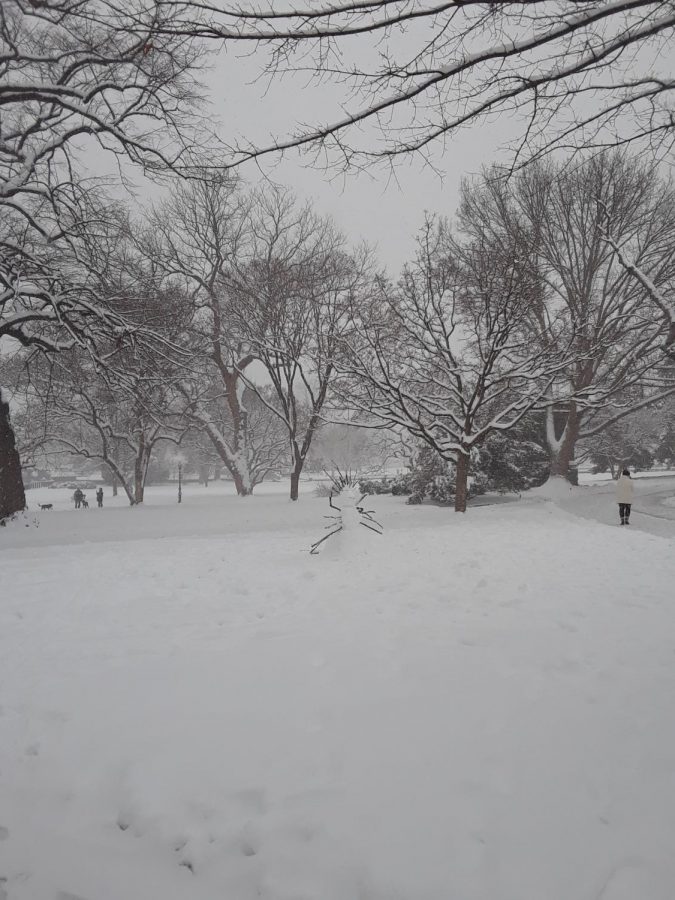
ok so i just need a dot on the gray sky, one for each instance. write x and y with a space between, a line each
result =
379 206
383 208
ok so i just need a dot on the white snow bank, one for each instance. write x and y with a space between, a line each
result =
475 710
554 488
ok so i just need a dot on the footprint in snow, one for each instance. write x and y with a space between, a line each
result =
248 848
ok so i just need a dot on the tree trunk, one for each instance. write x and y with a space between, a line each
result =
461 482
295 483
138 480
562 459
562 450
243 487
114 485
12 496
242 481
141 464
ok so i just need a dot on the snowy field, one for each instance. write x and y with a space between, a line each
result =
474 708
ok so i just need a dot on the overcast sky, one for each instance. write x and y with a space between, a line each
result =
384 209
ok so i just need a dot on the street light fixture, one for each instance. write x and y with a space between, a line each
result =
179 460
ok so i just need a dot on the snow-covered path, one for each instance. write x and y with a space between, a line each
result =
651 510
471 708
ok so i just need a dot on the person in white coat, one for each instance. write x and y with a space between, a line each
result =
624 496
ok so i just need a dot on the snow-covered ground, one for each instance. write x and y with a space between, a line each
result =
466 708
652 509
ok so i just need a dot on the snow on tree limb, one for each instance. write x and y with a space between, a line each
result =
441 66
657 297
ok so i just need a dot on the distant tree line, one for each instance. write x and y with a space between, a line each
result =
237 323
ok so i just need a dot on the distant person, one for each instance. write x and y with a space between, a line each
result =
624 496
99 497
78 497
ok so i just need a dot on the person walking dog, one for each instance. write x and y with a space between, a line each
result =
624 496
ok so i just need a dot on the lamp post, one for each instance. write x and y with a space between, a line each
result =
178 459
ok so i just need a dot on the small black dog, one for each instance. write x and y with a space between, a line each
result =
46 506
85 505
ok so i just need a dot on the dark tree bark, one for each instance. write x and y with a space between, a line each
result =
461 482
244 489
561 461
295 483
140 468
12 495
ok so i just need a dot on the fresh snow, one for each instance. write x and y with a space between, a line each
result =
471 707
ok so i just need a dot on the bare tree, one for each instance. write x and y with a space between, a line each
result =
204 237
576 74
47 302
294 299
590 301
257 430
74 72
117 404
446 356
119 426
73 76
633 441
664 303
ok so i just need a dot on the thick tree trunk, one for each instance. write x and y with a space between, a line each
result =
561 459
141 469
243 486
295 483
12 496
242 480
461 482
562 449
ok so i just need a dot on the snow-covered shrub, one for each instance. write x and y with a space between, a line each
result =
442 489
430 477
401 486
510 461
376 486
